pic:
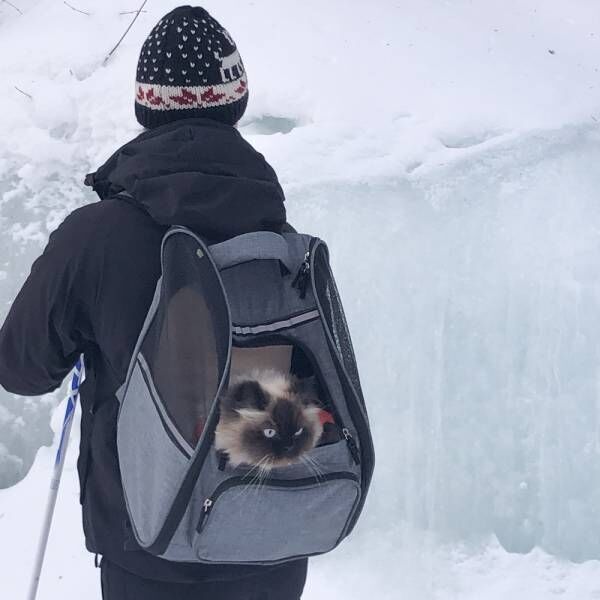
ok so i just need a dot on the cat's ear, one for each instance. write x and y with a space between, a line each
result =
308 389
246 394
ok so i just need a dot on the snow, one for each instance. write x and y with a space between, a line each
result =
448 152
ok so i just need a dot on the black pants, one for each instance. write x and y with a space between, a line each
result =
274 584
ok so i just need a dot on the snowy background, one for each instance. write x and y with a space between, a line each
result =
449 152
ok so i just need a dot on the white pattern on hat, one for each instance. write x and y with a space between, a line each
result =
165 97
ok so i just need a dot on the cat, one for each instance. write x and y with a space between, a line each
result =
268 419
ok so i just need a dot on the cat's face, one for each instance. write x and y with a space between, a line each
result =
268 419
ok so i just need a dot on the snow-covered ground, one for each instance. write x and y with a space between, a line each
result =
448 152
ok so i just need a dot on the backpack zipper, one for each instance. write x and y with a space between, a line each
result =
302 277
282 483
351 445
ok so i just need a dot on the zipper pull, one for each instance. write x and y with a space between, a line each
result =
352 445
207 505
302 277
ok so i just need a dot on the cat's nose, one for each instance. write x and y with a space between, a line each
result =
288 447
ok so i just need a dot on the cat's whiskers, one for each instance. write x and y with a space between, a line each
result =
316 463
264 466
313 466
310 467
256 477
256 466
264 471
247 489
318 466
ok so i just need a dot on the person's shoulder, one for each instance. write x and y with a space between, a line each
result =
109 219
106 213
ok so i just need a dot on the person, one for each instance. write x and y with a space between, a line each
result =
91 288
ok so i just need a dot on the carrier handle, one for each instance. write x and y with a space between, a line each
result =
257 245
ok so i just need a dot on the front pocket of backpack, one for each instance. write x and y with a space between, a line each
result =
279 519
153 458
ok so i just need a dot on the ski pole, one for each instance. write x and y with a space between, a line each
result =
59 463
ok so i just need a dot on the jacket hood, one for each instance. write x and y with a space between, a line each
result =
197 173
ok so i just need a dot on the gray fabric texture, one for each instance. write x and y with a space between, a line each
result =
276 521
251 246
152 467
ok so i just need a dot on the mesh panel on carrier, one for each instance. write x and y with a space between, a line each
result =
185 346
329 299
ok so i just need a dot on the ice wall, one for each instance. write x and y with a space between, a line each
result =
473 292
24 423
40 183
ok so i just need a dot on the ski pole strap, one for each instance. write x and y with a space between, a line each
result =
70 411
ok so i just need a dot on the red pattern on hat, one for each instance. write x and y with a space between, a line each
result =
210 96
150 97
186 98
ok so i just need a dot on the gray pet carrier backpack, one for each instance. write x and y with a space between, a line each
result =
237 301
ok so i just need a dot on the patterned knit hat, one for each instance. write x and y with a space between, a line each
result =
189 67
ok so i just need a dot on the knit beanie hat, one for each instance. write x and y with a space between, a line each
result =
189 67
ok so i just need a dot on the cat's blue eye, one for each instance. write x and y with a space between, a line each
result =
269 433
299 432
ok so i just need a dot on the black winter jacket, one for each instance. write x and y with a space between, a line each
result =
91 288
